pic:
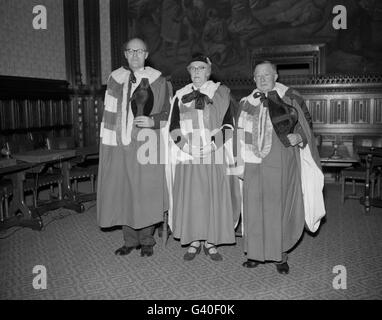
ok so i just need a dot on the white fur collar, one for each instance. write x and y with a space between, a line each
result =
209 88
121 75
279 87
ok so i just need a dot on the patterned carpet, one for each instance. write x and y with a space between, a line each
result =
80 262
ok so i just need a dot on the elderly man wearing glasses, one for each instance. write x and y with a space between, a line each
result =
201 126
130 193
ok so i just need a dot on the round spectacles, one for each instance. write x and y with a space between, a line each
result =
139 52
265 76
194 69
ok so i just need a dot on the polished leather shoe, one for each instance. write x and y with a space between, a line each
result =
124 250
188 256
147 251
214 256
282 268
250 263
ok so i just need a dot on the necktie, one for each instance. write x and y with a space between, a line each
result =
263 98
200 99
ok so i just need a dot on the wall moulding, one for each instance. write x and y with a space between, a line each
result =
308 83
293 59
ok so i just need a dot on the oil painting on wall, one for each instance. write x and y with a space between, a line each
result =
228 31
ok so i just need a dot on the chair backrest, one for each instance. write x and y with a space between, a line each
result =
367 141
60 143
20 143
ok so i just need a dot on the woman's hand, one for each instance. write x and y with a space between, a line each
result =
207 150
192 150
143 122
294 139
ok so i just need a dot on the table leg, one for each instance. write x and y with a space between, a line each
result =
71 201
21 214
366 199
337 176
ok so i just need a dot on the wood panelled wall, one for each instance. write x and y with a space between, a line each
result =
60 108
34 106
341 105
48 107
28 104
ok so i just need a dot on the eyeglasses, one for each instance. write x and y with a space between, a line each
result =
265 76
139 52
194 69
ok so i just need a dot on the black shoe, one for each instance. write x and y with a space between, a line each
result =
282 268
250 263
188 256
122 251
214 256
147 251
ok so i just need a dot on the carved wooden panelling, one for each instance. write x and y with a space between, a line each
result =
338 111
31 114
317 109
361 111
378 111
46 113
5 116
18 115
34 113
98 112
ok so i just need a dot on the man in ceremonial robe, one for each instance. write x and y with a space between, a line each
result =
132 193
275 127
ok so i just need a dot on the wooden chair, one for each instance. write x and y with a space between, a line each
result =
39 177
5 193
358 173
80 168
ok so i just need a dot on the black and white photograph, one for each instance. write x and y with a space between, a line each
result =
189 156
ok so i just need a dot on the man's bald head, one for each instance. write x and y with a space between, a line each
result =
135 41
136 53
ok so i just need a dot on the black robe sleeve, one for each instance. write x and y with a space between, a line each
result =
162 117
175 132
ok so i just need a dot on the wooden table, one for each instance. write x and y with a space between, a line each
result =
370 153
7 162
20 213
344 159
87 152
63 157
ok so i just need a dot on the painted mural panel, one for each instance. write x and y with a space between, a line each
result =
228 30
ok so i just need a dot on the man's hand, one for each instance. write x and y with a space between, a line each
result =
199 152
294 139
144 122
207 150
